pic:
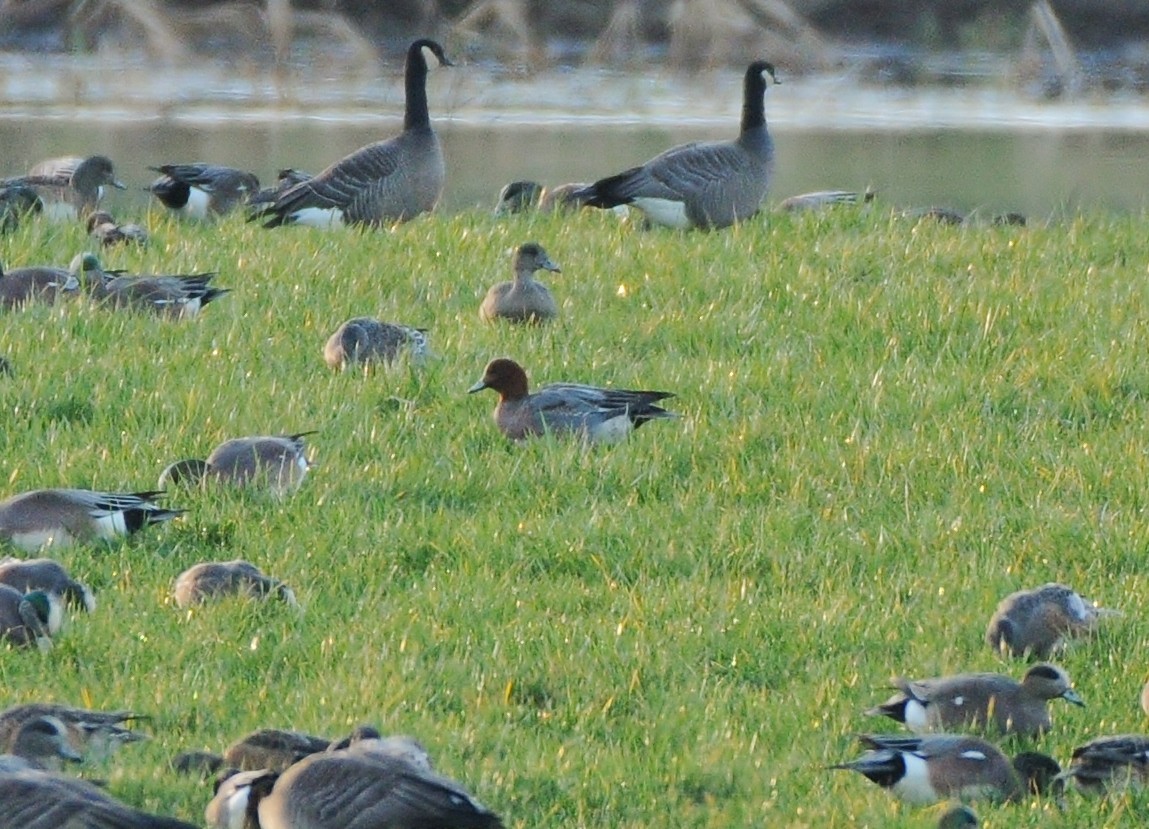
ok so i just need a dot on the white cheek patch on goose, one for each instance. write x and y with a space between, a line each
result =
664 212
322 217
430 58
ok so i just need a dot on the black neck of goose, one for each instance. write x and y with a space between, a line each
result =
415 78
753 100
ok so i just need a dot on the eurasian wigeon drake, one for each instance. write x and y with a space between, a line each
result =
980 700
524 299
594 414
61 517
1036 623
275 462
928 769
216 579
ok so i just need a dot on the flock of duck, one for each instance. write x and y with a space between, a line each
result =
285 780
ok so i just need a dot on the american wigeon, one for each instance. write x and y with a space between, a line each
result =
517 197
215 579
701 185
524 299
200 190
71 185
32 799
60 517
1108 764
821 199
21 286
934 767
588 412
96 734
28 619
958 817
277 463
48 575
1038 622
375 783
388 181
366 341
43 742
980 700
17 202
181 296
108 232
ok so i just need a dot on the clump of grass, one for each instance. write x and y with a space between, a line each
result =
885 427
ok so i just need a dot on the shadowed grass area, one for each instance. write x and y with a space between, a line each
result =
886 426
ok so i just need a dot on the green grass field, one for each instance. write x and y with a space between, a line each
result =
886 426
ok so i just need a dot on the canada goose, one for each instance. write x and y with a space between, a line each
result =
43 742
31 799
368 341
980 701
1108 764
375 784
21 286
28 619
930 768
47 575
180 296
1037 622
596 415
201 190
70 186
277 462
17 201
60 517
213 579
701 185
97 734
524 299
105 230
388 181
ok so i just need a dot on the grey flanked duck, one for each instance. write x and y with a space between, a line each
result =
45 284
180 296
61 517
275 462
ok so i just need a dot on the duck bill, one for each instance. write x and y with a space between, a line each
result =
477 387
1071 696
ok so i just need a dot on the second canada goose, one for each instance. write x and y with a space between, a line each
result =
60 517
212 579
201 190
701 185
523 299
388 181
48 575
278 462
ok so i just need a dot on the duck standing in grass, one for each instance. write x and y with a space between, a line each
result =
934 767
701 185
596 415
382 183
524 299
178 296
108 232
277 462
980 700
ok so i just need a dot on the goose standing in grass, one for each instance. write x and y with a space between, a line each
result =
31 799
97 734
385 182
932 768
47 575
71 186
179 296
701 185
367 341
21 286
108 232
1037 622
1108 764
61 517
524 299
594 414
980 700
276 462
215 579
374 784
43 743
201 191
28 619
